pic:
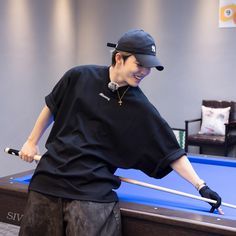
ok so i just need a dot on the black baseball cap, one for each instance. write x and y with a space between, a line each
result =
142 45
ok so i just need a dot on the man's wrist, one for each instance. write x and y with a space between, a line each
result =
201 183
32 141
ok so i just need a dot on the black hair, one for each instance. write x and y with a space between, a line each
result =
125 56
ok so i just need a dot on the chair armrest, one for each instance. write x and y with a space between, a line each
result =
194 120
230 125
187 122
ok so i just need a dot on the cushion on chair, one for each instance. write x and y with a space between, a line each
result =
213 120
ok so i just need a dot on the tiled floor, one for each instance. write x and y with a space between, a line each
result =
8 229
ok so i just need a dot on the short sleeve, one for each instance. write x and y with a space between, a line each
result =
55 98
161 146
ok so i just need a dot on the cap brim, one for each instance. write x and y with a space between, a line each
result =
149 61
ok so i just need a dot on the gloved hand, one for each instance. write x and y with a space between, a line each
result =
208 193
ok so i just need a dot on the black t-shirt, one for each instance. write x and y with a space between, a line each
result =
93 135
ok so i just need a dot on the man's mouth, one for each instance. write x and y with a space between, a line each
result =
138 77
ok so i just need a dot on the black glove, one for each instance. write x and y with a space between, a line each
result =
208 193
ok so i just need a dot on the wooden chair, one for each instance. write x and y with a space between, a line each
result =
225 142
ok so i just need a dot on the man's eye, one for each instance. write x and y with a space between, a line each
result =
138 64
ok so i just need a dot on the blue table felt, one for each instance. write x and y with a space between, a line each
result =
219 173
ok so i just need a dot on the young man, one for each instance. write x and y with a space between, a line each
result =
101 121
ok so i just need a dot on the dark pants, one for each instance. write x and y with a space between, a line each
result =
51 216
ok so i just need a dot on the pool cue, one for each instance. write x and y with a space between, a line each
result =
143 184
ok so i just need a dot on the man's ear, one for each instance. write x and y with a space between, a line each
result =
118 58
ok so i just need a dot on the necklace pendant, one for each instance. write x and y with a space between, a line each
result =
120 97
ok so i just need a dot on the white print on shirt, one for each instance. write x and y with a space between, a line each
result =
104 96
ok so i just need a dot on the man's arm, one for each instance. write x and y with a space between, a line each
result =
184 168
30 147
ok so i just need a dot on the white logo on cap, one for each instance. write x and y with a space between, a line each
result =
153 48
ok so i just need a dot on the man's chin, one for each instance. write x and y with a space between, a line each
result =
134 83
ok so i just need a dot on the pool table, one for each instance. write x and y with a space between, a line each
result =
147 211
